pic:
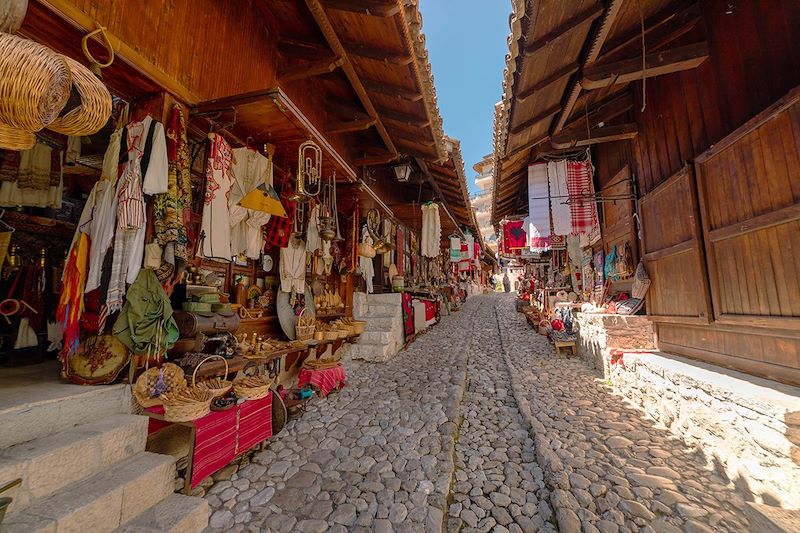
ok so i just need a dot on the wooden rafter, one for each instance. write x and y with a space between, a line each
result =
392 90
556 76
309 69
375 8
372 160
384 55
579 138
657 64
425 170
544 115
324 23
347 126
609 17
345 110
602 113
412 150
570 25
403 118
303 49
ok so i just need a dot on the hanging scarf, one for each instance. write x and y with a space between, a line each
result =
70 303
168 208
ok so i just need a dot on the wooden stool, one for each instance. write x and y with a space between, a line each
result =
564 345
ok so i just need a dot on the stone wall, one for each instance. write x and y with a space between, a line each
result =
749 427
598 334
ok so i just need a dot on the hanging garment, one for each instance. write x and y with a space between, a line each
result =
216 234
557 179
73 150
313 240
538 208
70 303
469 241
249 171
366 265
431 230
293 267
579 185
9 164
168 215
455 249
515 236
278 230
30 183
146 325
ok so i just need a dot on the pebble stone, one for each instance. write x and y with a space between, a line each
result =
476 426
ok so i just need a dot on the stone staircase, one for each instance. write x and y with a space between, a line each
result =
86 469
383 336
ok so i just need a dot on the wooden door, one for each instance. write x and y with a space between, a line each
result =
749 187
673 253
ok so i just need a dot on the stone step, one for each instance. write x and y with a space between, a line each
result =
59 407
378 311
381 324
103 502
176 514
375 337
389 298
50 463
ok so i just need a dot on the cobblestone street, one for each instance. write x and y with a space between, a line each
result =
476 426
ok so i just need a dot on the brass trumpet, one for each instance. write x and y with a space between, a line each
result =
309 172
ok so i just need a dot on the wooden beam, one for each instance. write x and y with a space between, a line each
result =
603 113
556 76
391 115
659 29
392 90
372 160
325 26
345 110
544 115
416 141
601 34
596 136
412 150
665 62
348 126
303 49
309 70
568 26
375 8
385 55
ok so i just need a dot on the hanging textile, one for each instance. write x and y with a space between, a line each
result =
146 325
455 249
216 235
365 263
515 236
70 302
538 228
408 315
581 192
557 179
431 230
313 239
401 256
469 241
249 169
278 230
26 178
292 265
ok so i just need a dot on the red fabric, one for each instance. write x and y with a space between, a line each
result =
325 380
430 312
514 235
278 230
408 315
579 185
255 423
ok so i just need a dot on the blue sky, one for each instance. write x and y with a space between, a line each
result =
466 40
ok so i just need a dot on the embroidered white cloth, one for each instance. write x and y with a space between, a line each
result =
431 230
538 226
313 240
216 213
293 267
249 171
562 216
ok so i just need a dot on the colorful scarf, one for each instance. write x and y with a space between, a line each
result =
70 303
581 192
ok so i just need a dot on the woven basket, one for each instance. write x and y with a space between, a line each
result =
359 326
35 83
187 404
94 109
641 282
304 333
174 379
217 386
15 138
251 387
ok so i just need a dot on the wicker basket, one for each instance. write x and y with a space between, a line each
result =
252 387
187 404
641 282
94 109
174 379
15 138
304 332
35 83
359 326
217 386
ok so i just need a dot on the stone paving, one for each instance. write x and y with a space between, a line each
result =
476 426
610 468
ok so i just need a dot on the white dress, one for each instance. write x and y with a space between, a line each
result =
366 266
431 230
249 171
216 212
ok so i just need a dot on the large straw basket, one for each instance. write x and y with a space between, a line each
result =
94 109
35 83
174 379
251 387
217 386
641 282
187 404
358 326
16 139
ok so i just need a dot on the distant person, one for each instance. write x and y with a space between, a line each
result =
506 283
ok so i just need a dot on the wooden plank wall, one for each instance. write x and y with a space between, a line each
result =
753 63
